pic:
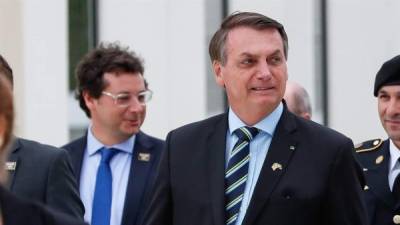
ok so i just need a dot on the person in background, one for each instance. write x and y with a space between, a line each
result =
115 162
258 163
298 100
41 172
13 209
380 158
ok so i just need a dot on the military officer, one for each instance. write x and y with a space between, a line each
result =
380 158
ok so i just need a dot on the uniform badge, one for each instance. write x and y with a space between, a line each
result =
145 157
10 166
379 159
276 166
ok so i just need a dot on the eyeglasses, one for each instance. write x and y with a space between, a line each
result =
125 99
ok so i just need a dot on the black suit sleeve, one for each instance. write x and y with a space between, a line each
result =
160 207
62 191
344 196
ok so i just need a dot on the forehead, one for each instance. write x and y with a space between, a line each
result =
390 89
124 81
243 40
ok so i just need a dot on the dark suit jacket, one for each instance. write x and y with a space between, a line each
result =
381 204
16 211
317 184
141 176
44 173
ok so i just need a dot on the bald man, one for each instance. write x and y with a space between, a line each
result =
298 100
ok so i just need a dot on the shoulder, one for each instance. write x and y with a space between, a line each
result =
79 143
199 127
368 146
371 152
150 141
319 133
37 149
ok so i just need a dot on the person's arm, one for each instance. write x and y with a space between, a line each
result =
160 208
344 202
62 192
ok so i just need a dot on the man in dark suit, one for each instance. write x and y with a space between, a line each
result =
41 172
380 159
113 93
258 163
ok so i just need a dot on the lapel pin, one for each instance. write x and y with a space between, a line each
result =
11 166
366 188
145 157
292 147
276 166
365 169
379 159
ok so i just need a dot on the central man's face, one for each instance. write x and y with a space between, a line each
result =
255 71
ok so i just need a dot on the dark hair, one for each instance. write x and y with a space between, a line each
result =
242 19
106 58
6 70
6 111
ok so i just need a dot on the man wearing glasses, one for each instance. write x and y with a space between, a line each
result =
114 162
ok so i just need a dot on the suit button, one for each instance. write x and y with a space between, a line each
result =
396 219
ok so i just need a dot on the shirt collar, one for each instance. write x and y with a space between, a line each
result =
93 144
394 154
267 124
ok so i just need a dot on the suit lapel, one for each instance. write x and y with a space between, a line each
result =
215 150
142 161
76 153
282 147
13 163
378 178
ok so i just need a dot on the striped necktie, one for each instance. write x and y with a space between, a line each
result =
237 172
101 211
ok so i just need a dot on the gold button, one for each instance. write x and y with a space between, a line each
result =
396 219
379 159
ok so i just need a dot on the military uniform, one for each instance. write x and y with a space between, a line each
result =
374 157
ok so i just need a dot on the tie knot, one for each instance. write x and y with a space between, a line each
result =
246 133
107 154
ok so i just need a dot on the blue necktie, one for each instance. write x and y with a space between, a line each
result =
237 172
101 210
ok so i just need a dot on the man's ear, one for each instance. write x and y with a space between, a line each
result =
218 72
89 100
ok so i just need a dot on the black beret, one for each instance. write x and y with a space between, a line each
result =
389 74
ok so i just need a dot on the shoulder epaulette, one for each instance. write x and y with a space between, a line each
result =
368 146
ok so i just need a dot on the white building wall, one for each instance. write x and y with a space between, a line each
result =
36 47
171 37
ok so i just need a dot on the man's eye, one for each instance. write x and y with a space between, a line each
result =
383 97
247 61
124 99
275 60
141 97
